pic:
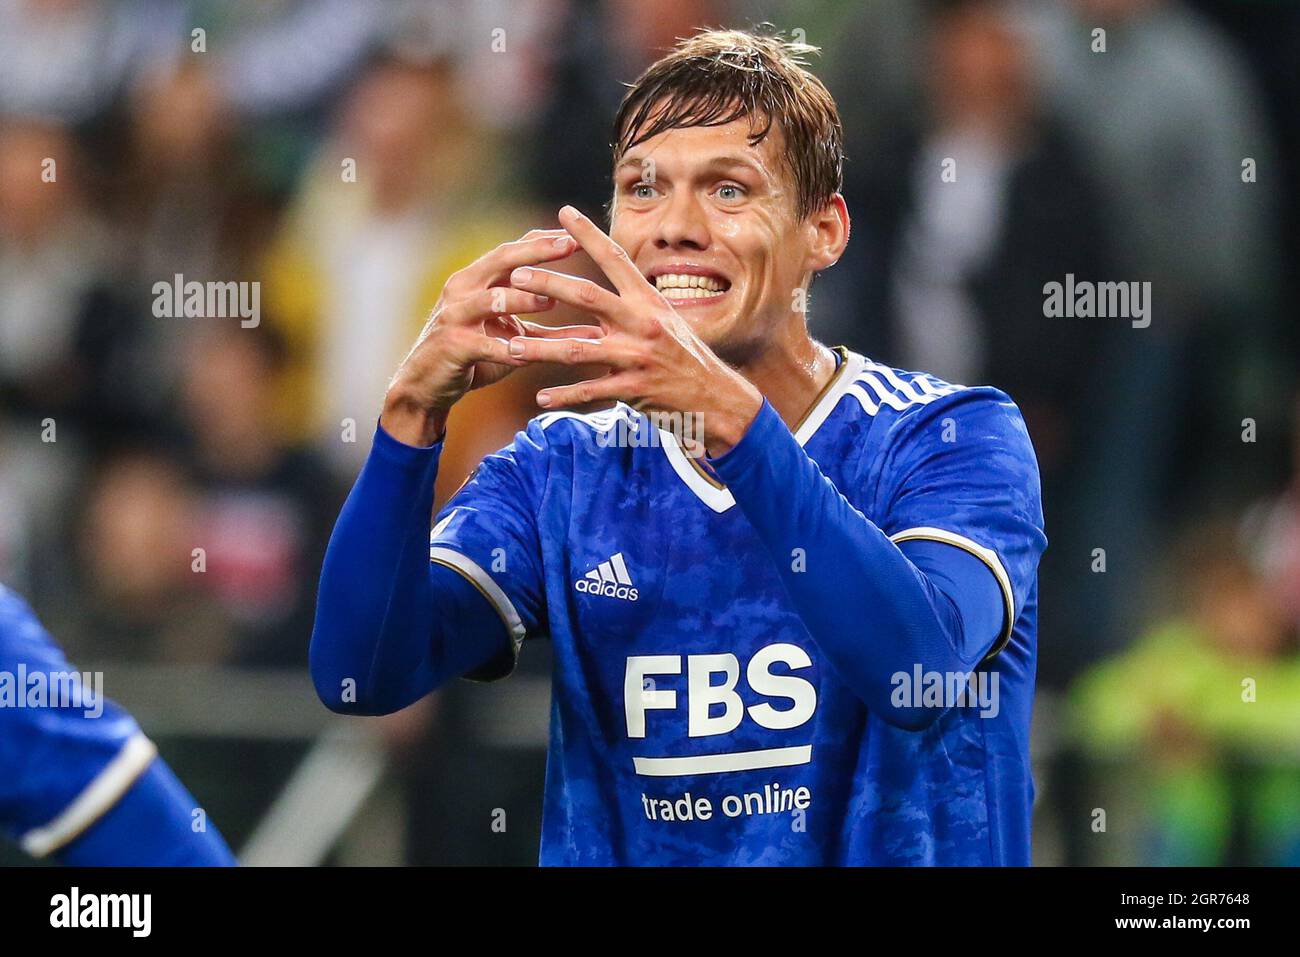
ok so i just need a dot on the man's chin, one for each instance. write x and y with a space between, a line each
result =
721 331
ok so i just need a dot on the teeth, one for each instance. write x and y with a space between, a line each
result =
687 287
679 292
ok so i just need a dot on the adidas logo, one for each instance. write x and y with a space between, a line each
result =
610 579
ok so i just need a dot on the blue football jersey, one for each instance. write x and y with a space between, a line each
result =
693 719
67 755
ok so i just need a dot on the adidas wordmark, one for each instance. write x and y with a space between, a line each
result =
609 579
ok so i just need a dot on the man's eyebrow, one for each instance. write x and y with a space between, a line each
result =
731 161
724 161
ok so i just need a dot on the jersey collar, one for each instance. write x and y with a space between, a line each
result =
712 492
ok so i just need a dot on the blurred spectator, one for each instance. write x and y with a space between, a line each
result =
183 199
1273 526
67 60
964 213
140 598
361 260
1267 37
184 204
1206 710
265 507
971 255
219 127
271 67
282 56
51 258
1167 115
598 47
36 480
70 345
499 49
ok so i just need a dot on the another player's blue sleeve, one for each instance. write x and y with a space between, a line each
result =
79 780
392 624
874 606
153 825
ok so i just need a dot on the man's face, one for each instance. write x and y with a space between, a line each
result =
710 220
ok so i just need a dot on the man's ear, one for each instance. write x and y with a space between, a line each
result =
830 234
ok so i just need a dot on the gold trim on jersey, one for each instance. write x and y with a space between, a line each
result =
986 555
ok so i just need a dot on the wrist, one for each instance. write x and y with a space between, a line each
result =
728 423
411 423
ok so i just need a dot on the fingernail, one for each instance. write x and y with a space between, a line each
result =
543 300
521 274
516 347
562 242
568 212
543 399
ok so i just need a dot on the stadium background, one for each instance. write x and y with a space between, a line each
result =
1170 454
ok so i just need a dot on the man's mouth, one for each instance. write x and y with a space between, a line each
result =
689 285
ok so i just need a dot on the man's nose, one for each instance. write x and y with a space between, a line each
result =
683 223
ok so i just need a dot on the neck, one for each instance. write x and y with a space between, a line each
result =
791 373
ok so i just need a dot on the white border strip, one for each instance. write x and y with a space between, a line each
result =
483 580
719 763
849 370
95 800
986 555
718 499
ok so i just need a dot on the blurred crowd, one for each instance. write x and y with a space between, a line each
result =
168 483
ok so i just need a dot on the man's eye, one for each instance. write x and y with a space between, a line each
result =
643 190
730 193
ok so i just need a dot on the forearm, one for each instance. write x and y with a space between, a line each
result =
871 610
389 627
